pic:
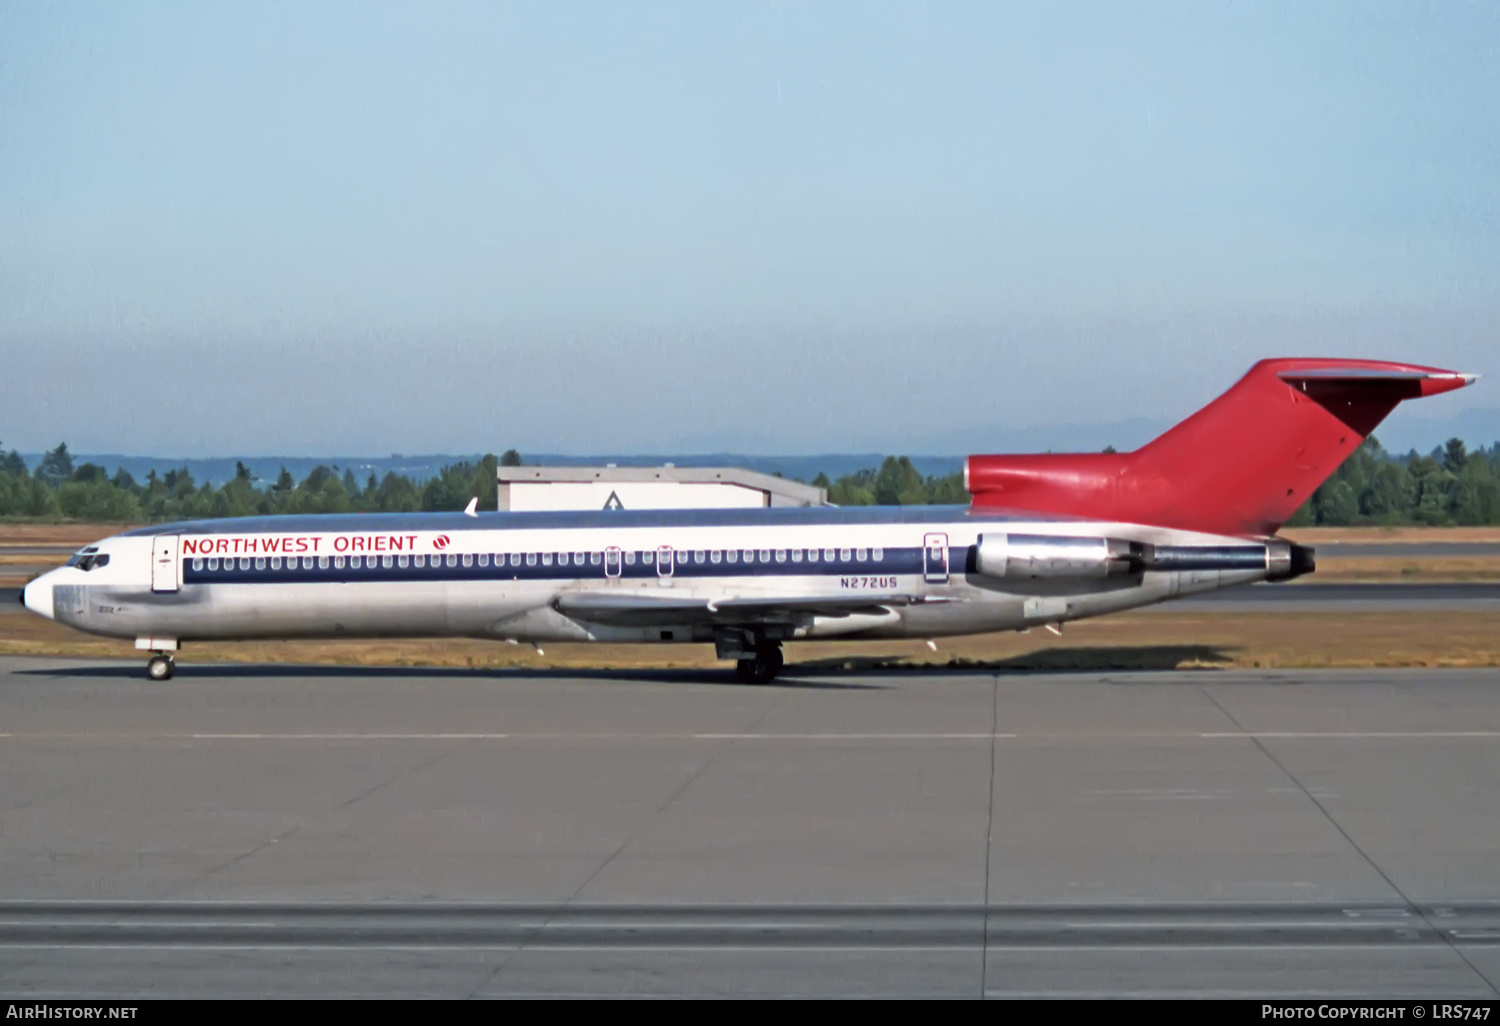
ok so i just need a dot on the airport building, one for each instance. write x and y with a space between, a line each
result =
665 487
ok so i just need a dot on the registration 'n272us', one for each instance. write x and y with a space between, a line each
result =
867 582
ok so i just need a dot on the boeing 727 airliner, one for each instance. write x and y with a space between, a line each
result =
1047 539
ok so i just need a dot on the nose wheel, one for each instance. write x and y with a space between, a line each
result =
762 667
160 667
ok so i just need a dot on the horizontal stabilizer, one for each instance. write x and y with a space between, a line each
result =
1450 379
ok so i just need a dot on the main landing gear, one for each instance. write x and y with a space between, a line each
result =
762 666
160 667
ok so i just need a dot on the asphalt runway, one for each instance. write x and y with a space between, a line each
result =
286 831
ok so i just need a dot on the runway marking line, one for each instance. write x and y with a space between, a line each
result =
892 736
1294 734
976 945
524 736
340 737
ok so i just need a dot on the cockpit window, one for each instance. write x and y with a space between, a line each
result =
82 554
89 559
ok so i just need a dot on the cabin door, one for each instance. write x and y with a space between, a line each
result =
935 558
164 562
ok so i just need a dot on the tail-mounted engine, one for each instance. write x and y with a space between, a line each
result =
1033 556
1037 556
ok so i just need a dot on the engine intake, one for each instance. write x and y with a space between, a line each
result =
1032 556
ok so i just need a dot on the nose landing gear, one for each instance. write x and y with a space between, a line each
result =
160 667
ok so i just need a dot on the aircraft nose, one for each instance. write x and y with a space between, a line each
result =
37 596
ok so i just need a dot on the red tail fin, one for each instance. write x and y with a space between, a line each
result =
1241 465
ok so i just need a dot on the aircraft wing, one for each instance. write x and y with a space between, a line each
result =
624 609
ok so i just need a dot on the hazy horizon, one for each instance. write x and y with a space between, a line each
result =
830 227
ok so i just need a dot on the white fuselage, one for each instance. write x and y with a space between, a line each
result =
905 572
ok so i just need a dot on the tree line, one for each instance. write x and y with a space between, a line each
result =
1451 485
57 489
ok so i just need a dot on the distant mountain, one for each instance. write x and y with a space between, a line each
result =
1405 431
1122 435
265 469
1478 428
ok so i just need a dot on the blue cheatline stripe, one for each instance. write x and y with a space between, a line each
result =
223 570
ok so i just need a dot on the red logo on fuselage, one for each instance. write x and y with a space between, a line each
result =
440 542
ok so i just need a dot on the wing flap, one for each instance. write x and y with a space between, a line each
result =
624 609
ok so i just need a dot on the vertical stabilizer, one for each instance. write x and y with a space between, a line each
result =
1241 465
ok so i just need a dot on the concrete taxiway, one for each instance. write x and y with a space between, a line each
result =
318 831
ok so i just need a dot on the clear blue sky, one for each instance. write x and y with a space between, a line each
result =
335 227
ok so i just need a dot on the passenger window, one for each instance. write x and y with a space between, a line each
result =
781 555
338 562
828 555
796 555
844 555
260 562
765 555
733 555
860 555
715 556
595 558
812 555
630 557
419 561
468 559
245 563
275 562
355 562
515 558
213 564
386 562
531 559
879 554
484 559
198 564
648 558
323 562
698 556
